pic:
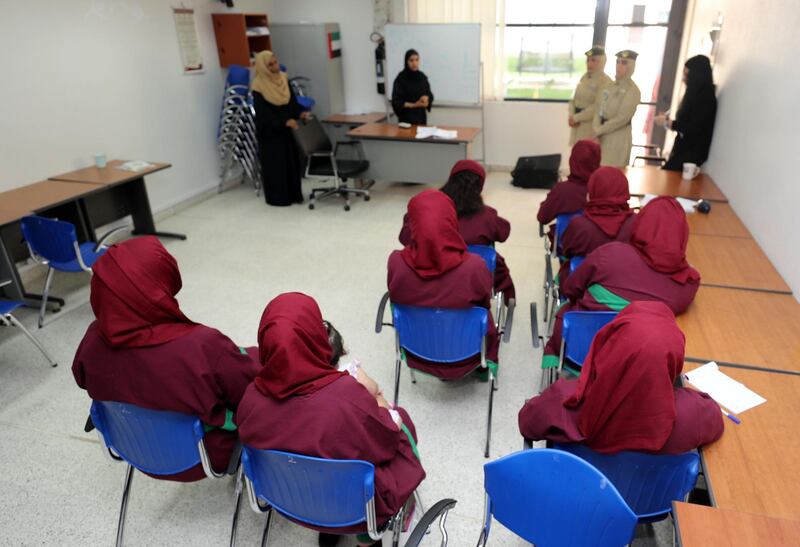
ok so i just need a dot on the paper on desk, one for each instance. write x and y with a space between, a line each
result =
424 132
687 204
135 165
726 391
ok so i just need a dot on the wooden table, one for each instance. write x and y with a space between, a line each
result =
355 119
120 193
700 526
734 262
747 327
109 175
720 221
42 195
753 467
396 155
653 180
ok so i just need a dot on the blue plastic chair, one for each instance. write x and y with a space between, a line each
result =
321 493
551 292
574 262
438 335
501 310
55 243
8 320
153 441
649 483
487 253
577 332
562 222
555 499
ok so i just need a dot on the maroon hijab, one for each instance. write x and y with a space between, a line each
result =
293 348
436 245
625 392
583 160
133 295
660 233
469 165
608 200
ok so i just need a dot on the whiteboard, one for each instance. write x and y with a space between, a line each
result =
450 56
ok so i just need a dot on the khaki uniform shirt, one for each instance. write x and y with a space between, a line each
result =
583 103
616 106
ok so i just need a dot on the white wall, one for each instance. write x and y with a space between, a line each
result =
355 18
89 76
754 152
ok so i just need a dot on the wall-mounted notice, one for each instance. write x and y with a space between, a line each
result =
191 57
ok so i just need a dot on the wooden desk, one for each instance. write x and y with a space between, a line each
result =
753 467
42 195
109 175
653 180
9 215
734 262
721 221
748 327
700 526
395 154
355 119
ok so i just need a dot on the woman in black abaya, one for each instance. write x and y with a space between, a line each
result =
277 112
411 95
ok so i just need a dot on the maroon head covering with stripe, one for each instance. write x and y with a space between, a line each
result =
472 166
133 292
436 245
625 395
583 160
660 233
293 348
608 200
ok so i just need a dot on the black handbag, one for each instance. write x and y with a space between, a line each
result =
536 171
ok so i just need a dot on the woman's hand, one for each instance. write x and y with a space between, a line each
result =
424 101
661 120
305 116
411 105
572 122
291 123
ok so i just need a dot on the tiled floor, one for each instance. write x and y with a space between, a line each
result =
59 490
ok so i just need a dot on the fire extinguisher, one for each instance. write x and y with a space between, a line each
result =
380 62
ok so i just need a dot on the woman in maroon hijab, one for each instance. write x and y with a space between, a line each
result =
624 398
143 350
435 270
301 403
606 217
569 196
478 223
651 267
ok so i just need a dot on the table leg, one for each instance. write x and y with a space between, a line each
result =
143 223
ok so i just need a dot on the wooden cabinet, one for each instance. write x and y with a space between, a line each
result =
240 36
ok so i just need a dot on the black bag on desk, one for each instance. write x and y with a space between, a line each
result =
536 171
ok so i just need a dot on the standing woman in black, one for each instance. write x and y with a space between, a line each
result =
694 123
277 112
411 95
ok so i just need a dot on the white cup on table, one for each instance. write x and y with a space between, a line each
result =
690 171
100 160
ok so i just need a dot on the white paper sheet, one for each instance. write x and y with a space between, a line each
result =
424 132
727 392
687 204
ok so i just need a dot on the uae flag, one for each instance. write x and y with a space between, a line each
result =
334 45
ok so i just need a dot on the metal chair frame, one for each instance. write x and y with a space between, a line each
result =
8 320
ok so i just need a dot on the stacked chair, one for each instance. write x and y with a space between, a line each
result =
236 140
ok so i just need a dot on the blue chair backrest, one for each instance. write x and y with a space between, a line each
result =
549 497
574 262
154 441
440 335
487 253
53 240
562 221
238 75
578 330
649 483
320 492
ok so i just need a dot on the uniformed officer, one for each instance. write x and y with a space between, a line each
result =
615 109
582 105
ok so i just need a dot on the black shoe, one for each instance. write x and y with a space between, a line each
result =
328 540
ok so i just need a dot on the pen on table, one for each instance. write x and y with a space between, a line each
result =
730 416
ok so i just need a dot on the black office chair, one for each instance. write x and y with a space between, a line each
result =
321 163
652 155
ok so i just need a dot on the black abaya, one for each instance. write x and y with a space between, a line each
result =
408 87
277 151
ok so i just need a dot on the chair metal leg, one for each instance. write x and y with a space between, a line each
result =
397 380
124 508
265 532
45 294
237 505
32 338
443 528
489 420
398 527
413 376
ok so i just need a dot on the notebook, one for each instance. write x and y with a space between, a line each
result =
727 392
424 132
